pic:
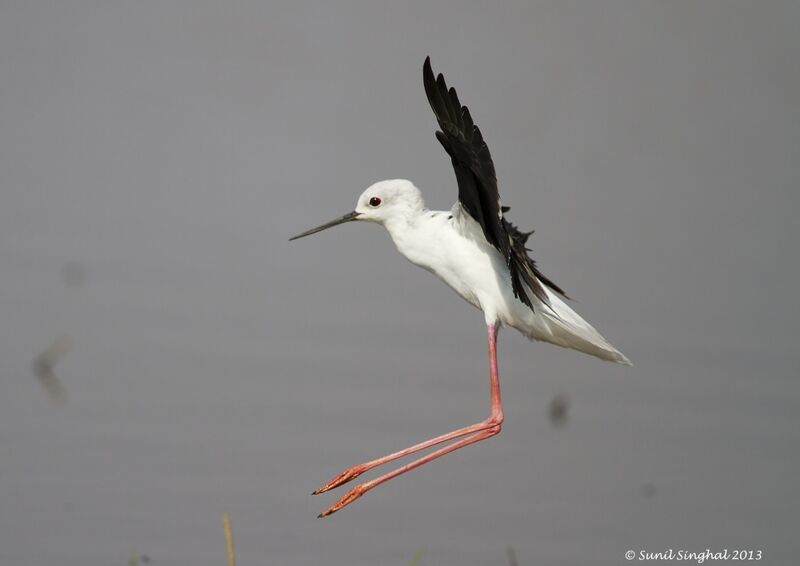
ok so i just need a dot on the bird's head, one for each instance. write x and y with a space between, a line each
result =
382 202
389 199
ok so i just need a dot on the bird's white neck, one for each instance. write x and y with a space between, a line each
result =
421 237
404 222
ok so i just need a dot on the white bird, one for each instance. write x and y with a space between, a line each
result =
481 256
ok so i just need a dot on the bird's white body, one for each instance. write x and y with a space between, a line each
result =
451 245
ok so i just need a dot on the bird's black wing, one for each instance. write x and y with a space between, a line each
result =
520 253
477 185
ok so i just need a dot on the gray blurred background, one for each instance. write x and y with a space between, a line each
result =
154 159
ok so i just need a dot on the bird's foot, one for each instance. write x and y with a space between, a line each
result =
349 474
347 499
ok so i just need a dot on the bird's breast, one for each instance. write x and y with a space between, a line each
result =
471 267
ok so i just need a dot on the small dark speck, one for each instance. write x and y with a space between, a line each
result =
558 410
648 489
43 365
450 217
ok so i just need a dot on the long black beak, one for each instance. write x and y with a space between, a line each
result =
349 217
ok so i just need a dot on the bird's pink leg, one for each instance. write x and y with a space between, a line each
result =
474 433
354 471
497 415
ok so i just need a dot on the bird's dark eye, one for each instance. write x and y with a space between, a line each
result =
374 201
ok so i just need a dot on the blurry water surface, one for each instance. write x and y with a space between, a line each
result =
155 157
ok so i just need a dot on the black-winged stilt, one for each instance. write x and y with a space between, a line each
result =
478 253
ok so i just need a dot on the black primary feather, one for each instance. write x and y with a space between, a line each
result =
477 186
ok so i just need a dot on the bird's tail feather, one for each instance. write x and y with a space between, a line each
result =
564 327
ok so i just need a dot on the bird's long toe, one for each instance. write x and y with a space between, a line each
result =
354 493
349 474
